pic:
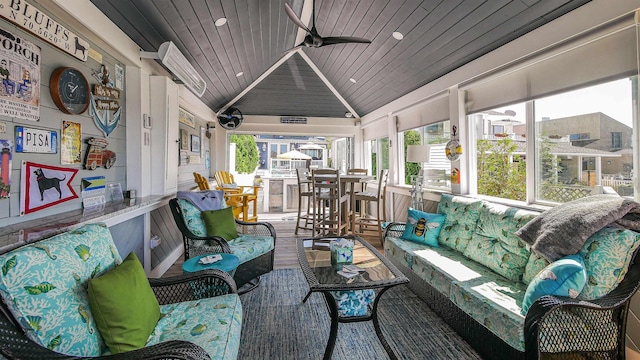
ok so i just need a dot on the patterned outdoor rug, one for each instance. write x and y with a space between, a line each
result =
277 325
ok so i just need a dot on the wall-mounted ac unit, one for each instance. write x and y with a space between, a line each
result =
172 59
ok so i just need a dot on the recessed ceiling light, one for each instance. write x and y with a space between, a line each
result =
221 21
239 74
397 35
352 80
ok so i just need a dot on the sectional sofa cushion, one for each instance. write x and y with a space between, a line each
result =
423 227
494 302
563 277
44 286
461 216
124 306
494 243
402 250
607 255
212 323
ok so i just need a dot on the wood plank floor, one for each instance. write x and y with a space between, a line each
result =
285 253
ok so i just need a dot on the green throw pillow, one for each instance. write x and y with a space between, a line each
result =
123 305
220 223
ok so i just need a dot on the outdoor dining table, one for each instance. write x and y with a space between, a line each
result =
351 180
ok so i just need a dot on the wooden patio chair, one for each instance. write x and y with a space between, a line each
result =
245 195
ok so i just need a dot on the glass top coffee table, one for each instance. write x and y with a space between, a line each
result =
377 275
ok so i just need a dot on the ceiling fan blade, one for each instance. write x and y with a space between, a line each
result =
294 17
331 40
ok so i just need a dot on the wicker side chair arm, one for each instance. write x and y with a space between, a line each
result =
548 311
193 286
394 229
21 349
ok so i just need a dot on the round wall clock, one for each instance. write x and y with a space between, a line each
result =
69 90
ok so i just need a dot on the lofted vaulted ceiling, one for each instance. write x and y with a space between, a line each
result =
439 36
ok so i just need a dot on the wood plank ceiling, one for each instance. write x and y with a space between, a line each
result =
439 36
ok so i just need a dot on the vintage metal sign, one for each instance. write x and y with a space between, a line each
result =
35 21
20 76
36 141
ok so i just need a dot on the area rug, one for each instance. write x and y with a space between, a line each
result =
277 325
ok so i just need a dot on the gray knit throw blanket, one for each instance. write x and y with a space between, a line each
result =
564 229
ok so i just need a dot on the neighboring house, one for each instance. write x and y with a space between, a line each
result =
596 131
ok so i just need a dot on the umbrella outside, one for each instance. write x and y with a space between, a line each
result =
294 154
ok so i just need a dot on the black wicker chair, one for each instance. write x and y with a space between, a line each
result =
247 275
599 334
14 344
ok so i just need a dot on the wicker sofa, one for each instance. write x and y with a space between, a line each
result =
477 277
46 311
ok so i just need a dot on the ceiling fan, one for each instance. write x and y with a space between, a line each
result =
313 39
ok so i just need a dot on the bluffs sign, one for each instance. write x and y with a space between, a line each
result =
35 21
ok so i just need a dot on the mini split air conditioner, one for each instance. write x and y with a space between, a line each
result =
172 59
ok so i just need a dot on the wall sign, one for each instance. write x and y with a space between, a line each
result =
70 143
36 141
35 21
42 186
20 77
5 168
186 118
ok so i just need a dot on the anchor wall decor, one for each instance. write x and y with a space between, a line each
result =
103 101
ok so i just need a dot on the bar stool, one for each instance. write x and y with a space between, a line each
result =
304 192
330 202
365 223
356 188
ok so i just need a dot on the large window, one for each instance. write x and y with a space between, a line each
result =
601 159
437 171
501 146
582 145
379 155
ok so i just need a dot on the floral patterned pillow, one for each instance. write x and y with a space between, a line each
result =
461 216
607 255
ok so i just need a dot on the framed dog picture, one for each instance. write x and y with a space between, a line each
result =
43 186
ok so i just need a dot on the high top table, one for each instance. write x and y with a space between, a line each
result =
350 180
379 274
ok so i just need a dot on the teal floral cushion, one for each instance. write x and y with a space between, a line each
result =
563 277
607 255
44 285
494 302
353 302
461 216
494 243
212 323
402 250
423 227
192 217
535 264
440 267
248 247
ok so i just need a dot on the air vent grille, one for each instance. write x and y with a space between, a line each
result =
292 120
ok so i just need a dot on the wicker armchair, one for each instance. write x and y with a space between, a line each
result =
14 344
248 273
599 325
